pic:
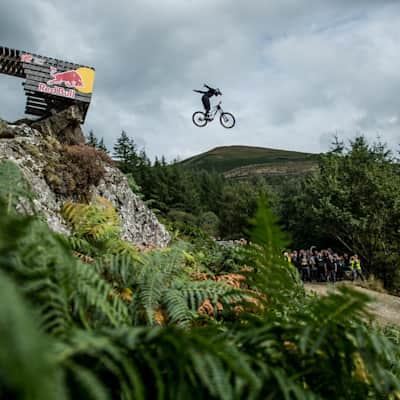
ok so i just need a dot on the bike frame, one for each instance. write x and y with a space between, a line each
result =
214 111
227 120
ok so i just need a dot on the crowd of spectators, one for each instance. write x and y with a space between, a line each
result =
325 265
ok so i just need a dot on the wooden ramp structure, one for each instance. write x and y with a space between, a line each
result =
50 85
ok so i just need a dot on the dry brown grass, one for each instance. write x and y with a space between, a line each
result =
72 170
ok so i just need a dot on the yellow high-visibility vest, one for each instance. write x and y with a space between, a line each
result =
355 263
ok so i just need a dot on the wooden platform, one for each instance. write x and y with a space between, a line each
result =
51 85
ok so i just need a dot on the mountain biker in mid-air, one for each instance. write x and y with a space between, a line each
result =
205 99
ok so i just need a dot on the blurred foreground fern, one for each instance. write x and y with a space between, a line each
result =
65 335
14 189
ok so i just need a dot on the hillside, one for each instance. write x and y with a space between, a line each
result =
243 161
51 157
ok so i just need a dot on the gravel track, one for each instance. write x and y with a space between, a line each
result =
385 307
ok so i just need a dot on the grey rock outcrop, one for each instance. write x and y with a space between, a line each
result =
27 147
140 224
65 126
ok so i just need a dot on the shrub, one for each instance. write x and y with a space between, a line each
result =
209 222
32 150
77 167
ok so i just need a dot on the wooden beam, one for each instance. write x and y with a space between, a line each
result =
38 105
35 112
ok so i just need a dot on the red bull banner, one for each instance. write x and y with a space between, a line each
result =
81 79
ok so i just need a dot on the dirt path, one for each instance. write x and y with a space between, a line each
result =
386 308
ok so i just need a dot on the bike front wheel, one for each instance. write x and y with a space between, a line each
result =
199 119
227 120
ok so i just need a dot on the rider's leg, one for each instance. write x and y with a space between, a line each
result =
206 103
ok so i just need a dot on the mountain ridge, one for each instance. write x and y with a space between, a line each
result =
239 161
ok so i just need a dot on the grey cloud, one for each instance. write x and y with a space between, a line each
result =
18 22
289 70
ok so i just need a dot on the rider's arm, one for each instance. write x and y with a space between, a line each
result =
208 87
199 91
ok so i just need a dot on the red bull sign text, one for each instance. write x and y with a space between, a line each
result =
56 90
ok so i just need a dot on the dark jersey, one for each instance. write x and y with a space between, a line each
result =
330 264
209 93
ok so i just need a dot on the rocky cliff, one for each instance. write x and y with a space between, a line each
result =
58 166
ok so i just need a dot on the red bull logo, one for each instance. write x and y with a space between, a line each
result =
80 80
71 78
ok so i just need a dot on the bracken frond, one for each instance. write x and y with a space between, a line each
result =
118 247
14 189
95 293
98 221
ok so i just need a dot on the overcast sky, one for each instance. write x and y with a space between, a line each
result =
293 72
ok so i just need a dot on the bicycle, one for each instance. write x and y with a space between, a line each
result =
226 119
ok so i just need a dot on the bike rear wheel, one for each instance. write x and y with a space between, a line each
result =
227 120
199 119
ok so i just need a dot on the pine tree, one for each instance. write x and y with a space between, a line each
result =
102 146
91 139
125 153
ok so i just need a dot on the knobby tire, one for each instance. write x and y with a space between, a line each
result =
199 119
227 120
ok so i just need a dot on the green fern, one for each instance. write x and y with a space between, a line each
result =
163 284
42 267
64 290
79 244
96 222
28 370
277 281
96 229
195 293
96 294
83 382
118 247
119 270
65 334
14 189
